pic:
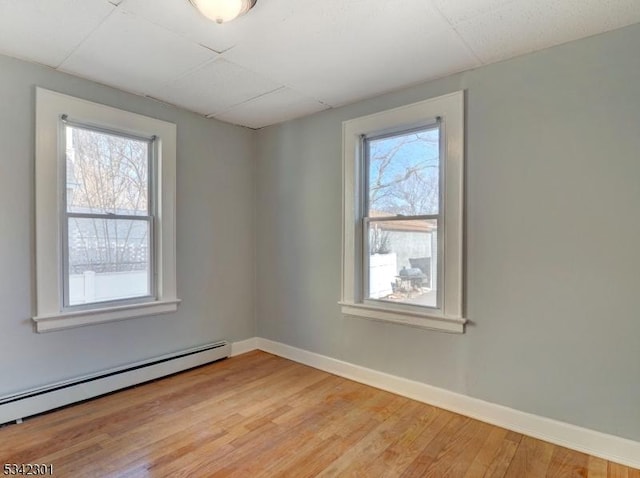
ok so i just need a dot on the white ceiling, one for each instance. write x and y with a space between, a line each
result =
289 58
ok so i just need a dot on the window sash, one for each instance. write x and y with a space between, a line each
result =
365 220
151 287
366 139
366 261
150 218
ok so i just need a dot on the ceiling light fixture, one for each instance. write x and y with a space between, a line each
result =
221 11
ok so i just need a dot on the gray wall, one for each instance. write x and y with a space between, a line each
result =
552 236
215 245
553 231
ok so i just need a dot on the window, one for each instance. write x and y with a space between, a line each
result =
105 201
109 205
402 231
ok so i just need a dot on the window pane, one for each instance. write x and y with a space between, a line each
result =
106 173
403 174
403 261
109 259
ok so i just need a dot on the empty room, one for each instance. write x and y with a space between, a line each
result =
285 238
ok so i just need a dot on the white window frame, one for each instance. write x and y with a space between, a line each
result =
51 110
448 316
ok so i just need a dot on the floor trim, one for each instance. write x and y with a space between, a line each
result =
244 346
609 447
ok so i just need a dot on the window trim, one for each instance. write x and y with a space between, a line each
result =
450 109
51 313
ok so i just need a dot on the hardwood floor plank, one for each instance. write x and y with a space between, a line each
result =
531 459
597 467
487 453
258 415
502 459
428 455
333 446
334 409
514 436
401 453
355 460
457 456
617 471
565 462
331 449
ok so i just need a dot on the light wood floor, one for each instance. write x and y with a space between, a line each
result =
260 415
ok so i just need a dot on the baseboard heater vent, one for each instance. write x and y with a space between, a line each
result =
31 402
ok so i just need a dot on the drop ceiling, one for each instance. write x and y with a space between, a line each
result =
289 58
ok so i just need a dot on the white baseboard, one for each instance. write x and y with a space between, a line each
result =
609 447
244 346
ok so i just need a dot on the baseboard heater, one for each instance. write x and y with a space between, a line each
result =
31 402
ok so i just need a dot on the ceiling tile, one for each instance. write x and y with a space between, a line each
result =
131 53
287 58
47 31
215 87
280 105
459 10
181 17
340 52
523 26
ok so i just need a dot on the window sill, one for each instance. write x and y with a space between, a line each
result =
66 320
420 320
